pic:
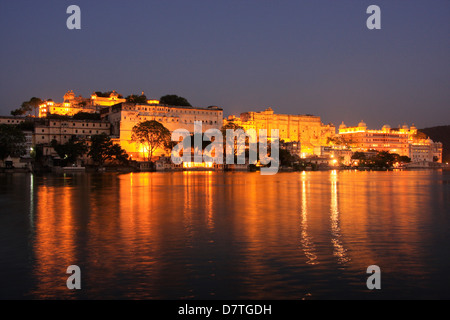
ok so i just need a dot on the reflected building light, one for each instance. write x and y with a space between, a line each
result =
306 241
338 249
209 202
31 216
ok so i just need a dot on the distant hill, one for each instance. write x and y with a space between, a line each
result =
440 134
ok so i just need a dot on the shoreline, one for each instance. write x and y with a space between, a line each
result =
60 171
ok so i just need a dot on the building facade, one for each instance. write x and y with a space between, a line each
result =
63 130
12 120
124 116
425 150
74 104
403 141
306 129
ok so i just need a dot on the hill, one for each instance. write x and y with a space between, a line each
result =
440 134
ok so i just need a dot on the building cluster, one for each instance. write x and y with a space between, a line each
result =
74 104
124 116
304 136
404 140
308 130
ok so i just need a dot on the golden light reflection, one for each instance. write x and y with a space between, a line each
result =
306 240
54 244
209 201
338 249
165 229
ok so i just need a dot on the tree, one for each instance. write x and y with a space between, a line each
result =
287 159
106 94
142 99
152 135
384 159
58 116
237 149
86 116
230 126
103 149
28 107
174 100
26 126
420 135
17 112
70 151
359 156
12 141
118 154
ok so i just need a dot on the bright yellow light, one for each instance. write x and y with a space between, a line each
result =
198 165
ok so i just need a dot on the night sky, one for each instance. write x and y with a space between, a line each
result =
297 56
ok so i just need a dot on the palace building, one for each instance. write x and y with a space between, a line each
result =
360 138
306 129
403 141
124 116
63 130
74 104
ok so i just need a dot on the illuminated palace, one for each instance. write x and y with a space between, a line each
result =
74 104
306 129
124 116
404 141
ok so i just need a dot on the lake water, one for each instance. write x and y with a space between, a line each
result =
206 235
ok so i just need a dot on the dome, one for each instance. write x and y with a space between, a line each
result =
405 126
386 126
362 124
342 126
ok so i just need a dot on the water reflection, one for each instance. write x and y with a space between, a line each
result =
306 241
226 236
339 251
54 244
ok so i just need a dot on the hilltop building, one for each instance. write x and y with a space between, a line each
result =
74 104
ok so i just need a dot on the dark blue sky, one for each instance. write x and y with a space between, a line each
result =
300 57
